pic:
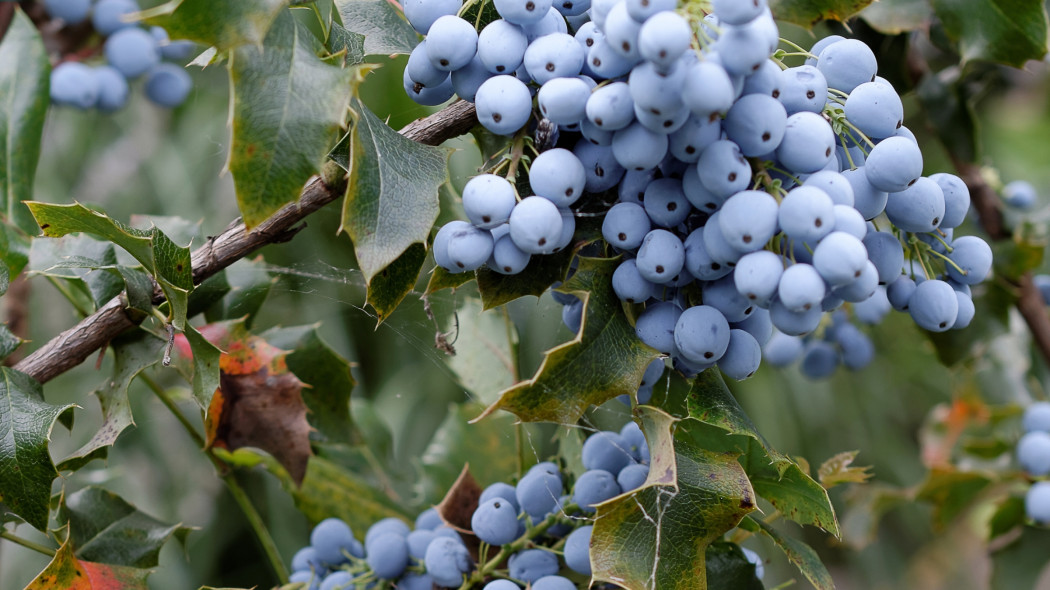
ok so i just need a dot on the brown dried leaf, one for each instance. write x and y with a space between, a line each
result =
838 470
458 506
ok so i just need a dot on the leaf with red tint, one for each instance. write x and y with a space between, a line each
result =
259 402
66 572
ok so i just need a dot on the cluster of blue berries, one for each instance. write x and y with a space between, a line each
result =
1033 454
753 198
1020 194
525 521
130 51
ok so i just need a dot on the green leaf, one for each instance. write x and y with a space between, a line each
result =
106 529
388 288
287 106
386 32
1008 515
224 24
800 554
485 359
542 272
729 569
328 378
950 111
205 366
893 17
8 342
392 195
604 360
775 476
167 262
349 42
484 446
951 492
14 249
131 354
1020 564
655 537
249 283
1010 32
809 12
866 506
441 279
26 470
24 82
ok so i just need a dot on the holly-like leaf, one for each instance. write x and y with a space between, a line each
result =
800 554
604 360
287 106
66 572
392 194
9 342
655 537
729 569
543 271
840 469
485 359
441 279
893 17
259 403
249 283
386 32
167 262
774 475
106 529
951 492
810 12
131 355
387 289
205 361
1008 32
24 81
327 376
26 470
350 43
223 24
1021 563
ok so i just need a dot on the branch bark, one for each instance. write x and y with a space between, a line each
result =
72 347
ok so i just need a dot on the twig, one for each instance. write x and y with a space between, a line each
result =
26 543
70 348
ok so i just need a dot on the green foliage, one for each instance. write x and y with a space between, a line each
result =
387 289
24 82
1009 32
605 359
798 553
809 12
223 24
485 360
287 105
727 568
391 198
26 470
205 367
897 16
1020 563
385 31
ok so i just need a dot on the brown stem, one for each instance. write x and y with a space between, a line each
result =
15 304
70 348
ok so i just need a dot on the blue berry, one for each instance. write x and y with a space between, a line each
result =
168 85
973 256
501 46
742 357
1033 453
1036 417
934 306
495 521
330 538
578 550
421 14
132 51
607 451
504 104
488 200
108 15
74 84
388 555
595 486
446 561
625 225
847 64
71 11
532 564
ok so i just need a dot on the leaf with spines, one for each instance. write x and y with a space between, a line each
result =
729 569
24 81
774 475
26 470
167 262
655 537
131 355
287 106
840 469
388 288
385 31
1009 33
66 572
223 24
351 44
104 528
392 194
801 555
810 12
604 360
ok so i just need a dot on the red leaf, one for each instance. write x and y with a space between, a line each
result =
66 572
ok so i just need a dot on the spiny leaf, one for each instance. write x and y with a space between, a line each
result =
167 262
131 354
388 288
66 572
106 529
328 378
441 279
775 476
26 470
350 43
9 342
24 80
485 358
287 106
801 555
1010 32
729 569
809 12
603 361
385 31
655 537
259 403
223 24
205 363
543 271
839 469
392 194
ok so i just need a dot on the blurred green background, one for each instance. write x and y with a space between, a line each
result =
154 162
